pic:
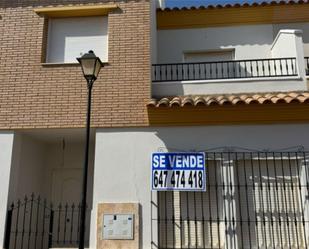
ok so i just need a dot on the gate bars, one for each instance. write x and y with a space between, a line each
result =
252 200
36 224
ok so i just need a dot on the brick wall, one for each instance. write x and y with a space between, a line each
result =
37 96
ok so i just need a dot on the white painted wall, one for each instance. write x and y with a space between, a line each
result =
31 168
163 89
304 27
15 167
27 174
285 43
35 162
252 41
47 164
289 43
122 161
6 148
249 42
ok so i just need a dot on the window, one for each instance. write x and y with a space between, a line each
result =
224 55
252 200
210 65
69 38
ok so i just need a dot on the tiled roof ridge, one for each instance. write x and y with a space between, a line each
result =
235 5
232 99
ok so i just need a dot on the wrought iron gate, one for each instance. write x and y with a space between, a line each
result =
252 200
36 224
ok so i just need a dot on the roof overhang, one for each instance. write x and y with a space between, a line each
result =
234 5
245 14
230 109
76 11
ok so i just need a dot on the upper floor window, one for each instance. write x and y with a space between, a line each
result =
69 38
209 56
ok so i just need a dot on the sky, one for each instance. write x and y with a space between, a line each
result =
181 3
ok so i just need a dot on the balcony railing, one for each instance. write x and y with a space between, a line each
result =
220 70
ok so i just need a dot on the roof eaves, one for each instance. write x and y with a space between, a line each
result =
232 99
235 5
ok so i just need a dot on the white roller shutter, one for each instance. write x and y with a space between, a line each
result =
69 38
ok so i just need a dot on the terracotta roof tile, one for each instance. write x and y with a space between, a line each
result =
232 99
235 5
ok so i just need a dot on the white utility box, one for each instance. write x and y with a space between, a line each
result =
118 226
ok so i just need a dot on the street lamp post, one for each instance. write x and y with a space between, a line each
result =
91 66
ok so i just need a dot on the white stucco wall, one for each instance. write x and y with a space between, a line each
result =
6 148
301 26
122 161
28 168
285 44
252 41
289 43
30 178
35 161
163 89
248 41
48 164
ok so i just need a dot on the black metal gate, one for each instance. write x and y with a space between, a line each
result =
253 200
36 224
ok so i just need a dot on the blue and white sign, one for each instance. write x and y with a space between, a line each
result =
178 171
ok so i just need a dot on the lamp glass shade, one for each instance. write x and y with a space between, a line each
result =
97 69
91 65
88 66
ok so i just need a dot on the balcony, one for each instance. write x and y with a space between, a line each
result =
224 70
281 67
225 77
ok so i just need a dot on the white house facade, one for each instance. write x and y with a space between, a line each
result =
178 81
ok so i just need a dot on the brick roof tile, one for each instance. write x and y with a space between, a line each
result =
231 99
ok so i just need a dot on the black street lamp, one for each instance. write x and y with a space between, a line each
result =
91 66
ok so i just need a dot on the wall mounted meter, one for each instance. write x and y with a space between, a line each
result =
118 226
